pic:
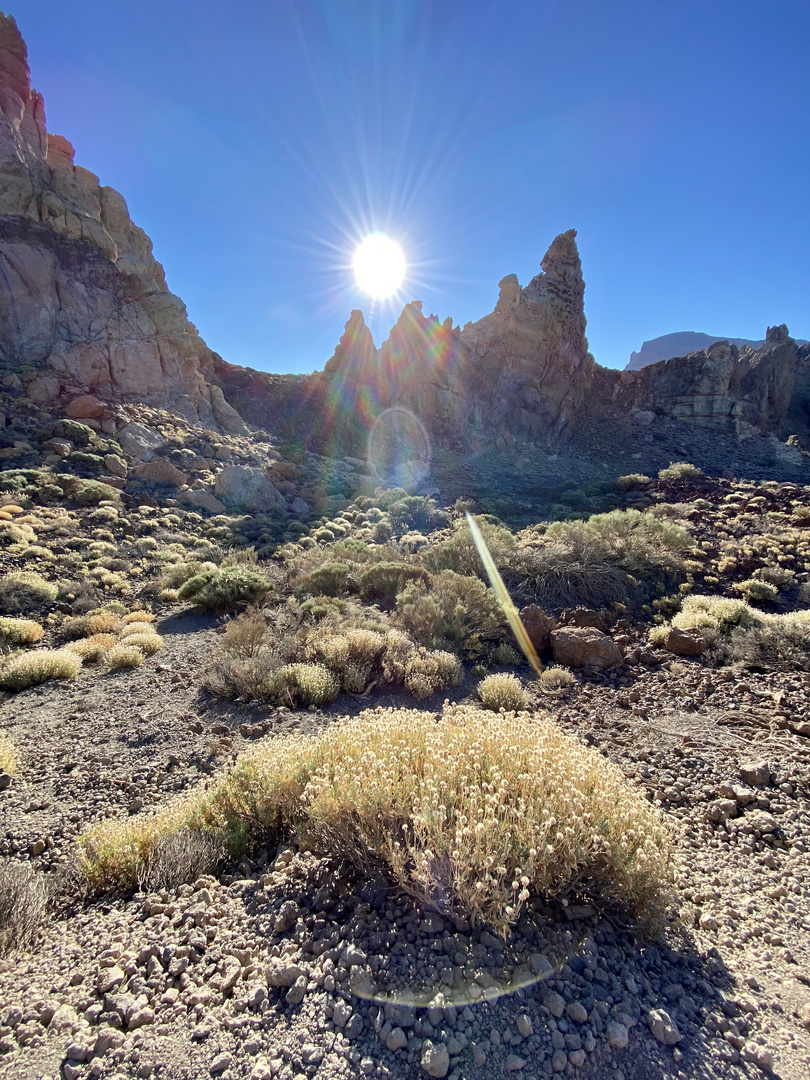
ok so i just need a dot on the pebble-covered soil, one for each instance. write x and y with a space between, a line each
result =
289 967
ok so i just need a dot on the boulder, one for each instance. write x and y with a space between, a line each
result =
539 627
160 471
115 465
247 488
42 389
584 646
62 447
140 441
202 499
85 407
684 642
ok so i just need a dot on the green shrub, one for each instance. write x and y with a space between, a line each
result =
680 470
86 460
300 685
557 678
459 553
329 579
72 430
450 611
781 644
505 654
526 811
381 583
25 590
177 574
502 692
31 668
632 481
225 589
20 631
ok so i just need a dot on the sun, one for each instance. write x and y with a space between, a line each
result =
379 266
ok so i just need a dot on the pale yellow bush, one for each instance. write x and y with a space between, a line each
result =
132 628
41 665
474 813
92 648
502 691
9 756
138 616
557 678
20 631
123 656
148 644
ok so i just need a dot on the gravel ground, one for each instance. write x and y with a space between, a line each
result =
287 966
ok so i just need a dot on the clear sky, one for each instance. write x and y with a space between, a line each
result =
257 142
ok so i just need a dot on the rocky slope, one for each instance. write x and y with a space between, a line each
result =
83 302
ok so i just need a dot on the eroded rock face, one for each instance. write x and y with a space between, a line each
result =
81 295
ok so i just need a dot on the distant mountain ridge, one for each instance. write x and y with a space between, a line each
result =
681 344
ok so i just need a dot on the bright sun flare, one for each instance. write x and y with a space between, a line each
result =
379 266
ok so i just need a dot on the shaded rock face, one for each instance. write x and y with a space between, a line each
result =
81 294
761 390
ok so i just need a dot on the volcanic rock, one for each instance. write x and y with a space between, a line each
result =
584 646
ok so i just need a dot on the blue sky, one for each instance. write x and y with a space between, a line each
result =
257 142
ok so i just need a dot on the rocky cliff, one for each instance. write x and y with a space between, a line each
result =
83 302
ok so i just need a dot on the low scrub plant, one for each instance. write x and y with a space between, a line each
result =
148 644
459 553
472 814
557 678
381 583
9 755
42 665
301 685
329 579
25 590
20 631
23 905
227 589
452 611
680 470
502 692
756 591
123 656
91 649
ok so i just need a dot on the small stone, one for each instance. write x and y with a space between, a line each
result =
341 1014
37 847
397 1039
576 1058
617 1035
524 1026
140 1018
71 1072
514 1063
479 1056
435 1058
577 1012
758 1056
287 916
78 1051
261 1071
541 966
220 1064
663 1027
559 1061
756 773
295 995
555 1004
283 973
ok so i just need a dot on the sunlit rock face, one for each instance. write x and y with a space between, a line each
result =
81 294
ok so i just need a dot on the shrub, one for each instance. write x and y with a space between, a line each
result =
25 590
100 622
92 648
329 579
131 628
781 644
526 810
632 481
148 644
300 685
31 668
72 430
380 584
20 631
427 672
557 678
179 859
224 590
450 611
9 757
680 470
502 692
460 554
505 654
123 656
23 904
756 591
176 575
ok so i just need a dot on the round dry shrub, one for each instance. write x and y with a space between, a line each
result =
557 678
25 590
133 628
301 685
680 470
526 810
31 668
505 654
426 672
138 616
756 591
123 656
502 692
147 643
167 596
227 589
91 649
20 631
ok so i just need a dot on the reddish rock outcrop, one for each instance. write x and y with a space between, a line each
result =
81 295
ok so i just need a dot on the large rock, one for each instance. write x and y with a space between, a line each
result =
684 642
585 647
246 488
85 407
140 441
80 292
539 627
160 471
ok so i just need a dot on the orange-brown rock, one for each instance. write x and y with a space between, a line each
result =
539 627
684 642
585 647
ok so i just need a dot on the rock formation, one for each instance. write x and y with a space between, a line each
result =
83 302
681 344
